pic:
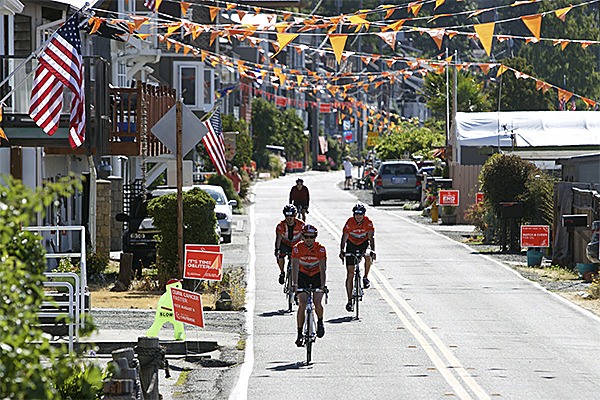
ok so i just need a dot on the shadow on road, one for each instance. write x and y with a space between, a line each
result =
274 313
286 367
340 320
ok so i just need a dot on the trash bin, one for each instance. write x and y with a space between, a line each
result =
534 258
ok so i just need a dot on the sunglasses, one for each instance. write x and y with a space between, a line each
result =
309 237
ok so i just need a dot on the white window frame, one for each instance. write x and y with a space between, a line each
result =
200 104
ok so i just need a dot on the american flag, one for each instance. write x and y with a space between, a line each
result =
153 4
60 65
213 141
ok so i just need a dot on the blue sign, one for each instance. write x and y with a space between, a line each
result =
348 136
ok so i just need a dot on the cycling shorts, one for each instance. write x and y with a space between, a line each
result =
353 248
284 250
305 281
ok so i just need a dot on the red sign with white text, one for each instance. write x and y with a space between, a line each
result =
478 198
535 235
325 107
204 247
203 265
187 307
448 198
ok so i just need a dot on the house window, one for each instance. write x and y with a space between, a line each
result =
195 84
122 74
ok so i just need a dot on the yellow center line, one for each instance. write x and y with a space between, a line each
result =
397 302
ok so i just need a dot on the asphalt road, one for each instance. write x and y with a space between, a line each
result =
440 321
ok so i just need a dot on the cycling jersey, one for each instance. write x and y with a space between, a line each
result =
290 236
299 197
358 233
309 258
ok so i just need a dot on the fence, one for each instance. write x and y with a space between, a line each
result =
465 179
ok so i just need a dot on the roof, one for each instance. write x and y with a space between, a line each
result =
528 128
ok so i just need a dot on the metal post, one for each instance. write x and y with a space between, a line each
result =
179 159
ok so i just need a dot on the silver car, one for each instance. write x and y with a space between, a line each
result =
396 179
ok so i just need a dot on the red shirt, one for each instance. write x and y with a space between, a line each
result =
299 197
358 233
284 229
309 258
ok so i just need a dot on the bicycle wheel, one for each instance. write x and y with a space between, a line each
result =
308 336
356 292
289 291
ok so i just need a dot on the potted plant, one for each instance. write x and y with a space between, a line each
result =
448 215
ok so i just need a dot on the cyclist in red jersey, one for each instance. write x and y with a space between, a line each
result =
300 197
309 265
358 234
287 233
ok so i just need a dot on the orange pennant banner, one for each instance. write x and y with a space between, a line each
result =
533 23
485 32
338 42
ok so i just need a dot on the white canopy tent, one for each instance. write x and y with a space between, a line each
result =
527 129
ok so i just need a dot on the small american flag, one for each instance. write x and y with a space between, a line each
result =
60 65
573 105
213 141
152 4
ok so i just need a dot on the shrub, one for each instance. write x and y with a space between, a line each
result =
227 185
85 382
475 215
96 264
199 223
30 368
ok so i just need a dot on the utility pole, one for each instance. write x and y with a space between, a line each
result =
314 109
179 163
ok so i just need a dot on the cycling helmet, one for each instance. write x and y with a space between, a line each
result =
359 209
289 210
309 229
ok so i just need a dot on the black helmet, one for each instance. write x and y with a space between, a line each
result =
310 229
359 209
289 210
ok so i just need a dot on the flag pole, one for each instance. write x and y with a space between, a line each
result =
32 55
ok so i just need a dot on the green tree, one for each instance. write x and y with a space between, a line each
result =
291 135
30 367
265 124
521 94
574 68
471 95
243 142
408 137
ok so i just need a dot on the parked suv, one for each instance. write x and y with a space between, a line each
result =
396 179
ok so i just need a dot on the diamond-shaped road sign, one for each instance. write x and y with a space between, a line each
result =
193 130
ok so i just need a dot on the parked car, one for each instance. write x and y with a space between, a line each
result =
138 238
397 179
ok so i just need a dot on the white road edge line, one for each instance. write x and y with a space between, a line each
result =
455 364
506 267
240 391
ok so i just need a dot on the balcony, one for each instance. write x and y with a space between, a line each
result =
128 108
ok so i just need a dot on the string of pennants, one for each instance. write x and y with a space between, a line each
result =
306 81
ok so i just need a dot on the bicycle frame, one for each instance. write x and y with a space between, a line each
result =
357 290
310 335
287 288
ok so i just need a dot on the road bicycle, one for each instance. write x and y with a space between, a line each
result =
310 330
357 290
287 288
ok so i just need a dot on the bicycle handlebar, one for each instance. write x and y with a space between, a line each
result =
314 290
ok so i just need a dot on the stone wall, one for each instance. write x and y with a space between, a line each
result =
116 228
103 217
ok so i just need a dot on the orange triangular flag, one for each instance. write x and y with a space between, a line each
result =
184 7
241 14
213 12
338 41
562 13
389 38
213 36
299 78
584 45
485 32
415 7
171 29
230 6
437 35
2 134
283 39
286 15
542 85
186 49
177 47
501 69
390 10
365 59
96 21
485 68
564 95
142 36
438 3
588 102
138 21
533 23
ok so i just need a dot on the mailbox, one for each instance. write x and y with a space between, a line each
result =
574 220
513 209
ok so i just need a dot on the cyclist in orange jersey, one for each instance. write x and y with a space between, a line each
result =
288 232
